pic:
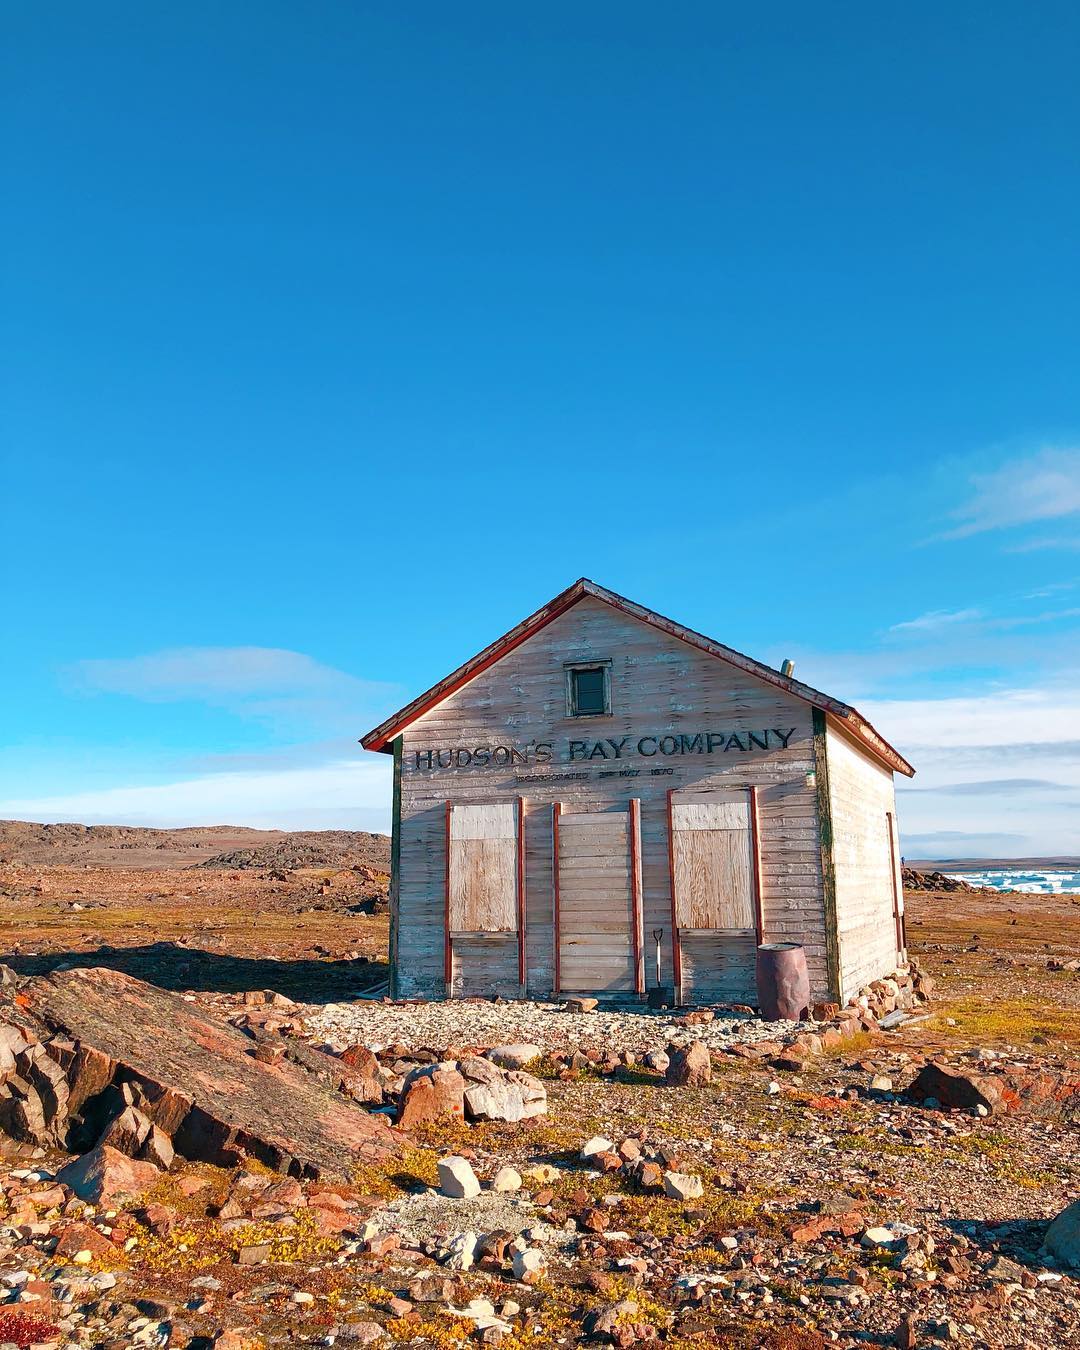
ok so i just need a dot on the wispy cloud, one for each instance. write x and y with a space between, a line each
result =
936 618
339 794
1042 486
269 683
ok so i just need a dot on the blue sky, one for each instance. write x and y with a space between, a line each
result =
338 337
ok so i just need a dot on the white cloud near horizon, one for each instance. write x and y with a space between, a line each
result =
1038 487
1007 761
338 795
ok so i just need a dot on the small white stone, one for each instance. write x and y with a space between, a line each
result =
680 1186
457 1178
597 1144
517 1056
461 1252
528 1262
773 1089
82 1258
302 1296
506 1179
877 1237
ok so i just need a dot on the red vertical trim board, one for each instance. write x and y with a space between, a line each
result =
676 944
448 955
521 922
635 892
755 861
556 811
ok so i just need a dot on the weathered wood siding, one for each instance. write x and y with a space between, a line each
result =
864 854
661 687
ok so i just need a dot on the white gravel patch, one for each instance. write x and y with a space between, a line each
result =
547 1025
431 1215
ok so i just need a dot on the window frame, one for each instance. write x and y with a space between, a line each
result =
572 668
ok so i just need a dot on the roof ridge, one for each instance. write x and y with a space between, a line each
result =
379 737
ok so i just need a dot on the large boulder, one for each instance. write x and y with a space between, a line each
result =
431 1092
1062 1239
107 1174
492 1093
688 1065
958 1089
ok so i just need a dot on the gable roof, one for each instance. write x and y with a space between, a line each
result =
380 737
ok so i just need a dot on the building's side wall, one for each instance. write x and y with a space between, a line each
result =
861 799
661 686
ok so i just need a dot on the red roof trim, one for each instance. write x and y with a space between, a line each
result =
381 736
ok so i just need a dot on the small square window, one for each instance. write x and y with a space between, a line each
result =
588 691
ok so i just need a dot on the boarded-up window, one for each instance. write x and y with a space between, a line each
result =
484 868
713 872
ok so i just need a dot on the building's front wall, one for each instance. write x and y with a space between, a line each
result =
865 862
661 687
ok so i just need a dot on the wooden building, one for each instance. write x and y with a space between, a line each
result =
603 801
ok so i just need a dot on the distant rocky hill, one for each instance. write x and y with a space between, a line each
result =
212 846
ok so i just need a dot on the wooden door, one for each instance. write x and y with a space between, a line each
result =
598 910
714 889
485 900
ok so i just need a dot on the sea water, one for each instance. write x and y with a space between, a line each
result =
1049 881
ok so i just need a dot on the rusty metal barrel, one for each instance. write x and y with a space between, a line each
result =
783 982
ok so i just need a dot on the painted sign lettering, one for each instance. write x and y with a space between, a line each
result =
606 748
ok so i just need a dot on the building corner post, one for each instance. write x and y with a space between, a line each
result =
828 865
395 868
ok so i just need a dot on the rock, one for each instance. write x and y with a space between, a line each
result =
107 1174
457 1178
529 1262
518 1056
542 1174
905 1337
657 1060
492 1093
460 1252
364 1333
79 1237
581 1005
254 1255
432 1092
881 1083
194 1077
957 1089
1062 1239
680 1186
688 1066
877 1237
506 1179
597 1144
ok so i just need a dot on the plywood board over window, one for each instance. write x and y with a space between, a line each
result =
712 858
483 881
